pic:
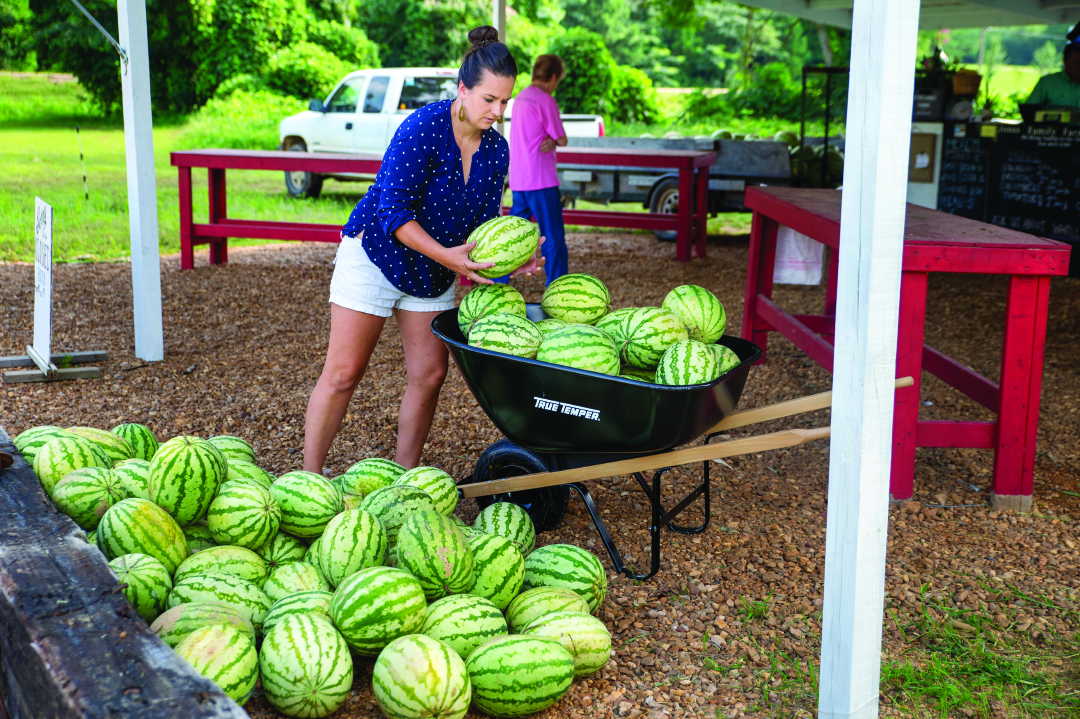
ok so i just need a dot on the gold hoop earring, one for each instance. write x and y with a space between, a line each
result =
500 119
461 111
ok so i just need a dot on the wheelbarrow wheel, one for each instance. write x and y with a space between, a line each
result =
546 506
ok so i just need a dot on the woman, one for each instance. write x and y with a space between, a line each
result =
441 177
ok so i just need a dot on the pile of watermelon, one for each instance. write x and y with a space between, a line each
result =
289 580
675 344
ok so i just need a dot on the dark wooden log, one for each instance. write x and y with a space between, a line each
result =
71 645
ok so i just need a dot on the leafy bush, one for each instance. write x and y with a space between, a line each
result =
589 71
632 97
242 120
412 33
702 107
348 43
304 70
771 93
243 82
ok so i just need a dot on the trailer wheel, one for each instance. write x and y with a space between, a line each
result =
303 184
665 200
504 459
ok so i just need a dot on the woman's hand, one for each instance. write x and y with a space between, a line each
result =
547 144
534 265
457 259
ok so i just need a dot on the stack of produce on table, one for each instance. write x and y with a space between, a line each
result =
675 344
289 580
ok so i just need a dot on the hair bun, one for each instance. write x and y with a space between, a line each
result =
483 35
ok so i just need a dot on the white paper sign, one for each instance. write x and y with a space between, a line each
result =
43 221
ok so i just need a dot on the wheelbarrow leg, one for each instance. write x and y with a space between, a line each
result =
699 491
609 543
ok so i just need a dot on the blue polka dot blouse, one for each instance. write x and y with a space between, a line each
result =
421 179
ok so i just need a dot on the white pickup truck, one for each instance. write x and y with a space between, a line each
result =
364 111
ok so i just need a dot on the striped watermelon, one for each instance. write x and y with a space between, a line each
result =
145 582
509 520
535 603
725 357
498 569
176 623
134 477
233 561
581 347
142 441
225 656
137 526
315 603
612 324
377 605
198 537
240 594
417 676
91 538
686 363
239 469
583 635
353 540
233 448
699 311
637 374
514 676
486 300
281 550
569 567
185 475
59 457
506 240
549 325
30 441
308 502
576 298
86 494
115 446
306 668
463 622
472 533
391 557
508 334
438 484
243 514
433 549
365 477
295 577
648 332
393 505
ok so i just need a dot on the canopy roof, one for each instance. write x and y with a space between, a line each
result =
938 14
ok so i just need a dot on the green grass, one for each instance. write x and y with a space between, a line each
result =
41 100
1010 79
672 104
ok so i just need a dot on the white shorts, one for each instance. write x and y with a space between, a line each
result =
359 285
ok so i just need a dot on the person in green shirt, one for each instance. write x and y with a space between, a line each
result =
1061 89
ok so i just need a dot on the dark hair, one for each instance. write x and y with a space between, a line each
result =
1070 49
547 67
486 53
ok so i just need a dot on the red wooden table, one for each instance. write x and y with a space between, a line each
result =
933 242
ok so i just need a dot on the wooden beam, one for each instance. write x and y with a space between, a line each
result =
66 374
58 359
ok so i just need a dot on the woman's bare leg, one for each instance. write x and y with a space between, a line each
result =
425 365
353 336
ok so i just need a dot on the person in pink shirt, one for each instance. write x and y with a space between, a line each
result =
535 131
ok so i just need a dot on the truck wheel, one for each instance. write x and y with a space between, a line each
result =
665 200
303 184
546 506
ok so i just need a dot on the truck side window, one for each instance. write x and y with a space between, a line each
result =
346 96
376 93
420 91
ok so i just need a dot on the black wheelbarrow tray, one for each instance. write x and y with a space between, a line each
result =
565 426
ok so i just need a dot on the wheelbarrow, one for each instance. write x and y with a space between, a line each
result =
564 427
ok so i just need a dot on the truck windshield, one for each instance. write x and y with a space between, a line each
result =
420 91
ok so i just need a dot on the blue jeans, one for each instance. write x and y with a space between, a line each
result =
546 206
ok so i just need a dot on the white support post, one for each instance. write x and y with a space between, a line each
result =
867 315
142 186
498 18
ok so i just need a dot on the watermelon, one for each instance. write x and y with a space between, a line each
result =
433 549
508 520
463 622
725 358
583 635
198 537
611 324
486 300
281 550
292 578
688 362
581 347
86 494
239 469
180 621
648 332
498 569
233 561
311 556
417 676
185 475
699 311
240 594
134 477
225 656
514 676
377 605
142 441
568 567
308 502
30 441
59 457
243 514
549 325
576 298
306 668
637 374
393 505
507 334
506 240
365 477
438 484
534 603
353 540
115 446
145 582
233 448
311 603
391 557
138 526
472 532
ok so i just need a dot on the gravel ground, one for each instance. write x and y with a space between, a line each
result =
732 623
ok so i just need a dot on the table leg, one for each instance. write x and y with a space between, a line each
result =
830 289
702 208
187 248
686 203
219 248
909 351
759 274
1021 384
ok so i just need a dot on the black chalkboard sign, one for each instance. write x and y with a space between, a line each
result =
965 179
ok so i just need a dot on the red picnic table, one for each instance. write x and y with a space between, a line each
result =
689 223
933 242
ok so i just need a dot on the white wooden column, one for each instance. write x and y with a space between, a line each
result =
142 186
867 314
498 18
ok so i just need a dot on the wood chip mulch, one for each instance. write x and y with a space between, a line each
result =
734 613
